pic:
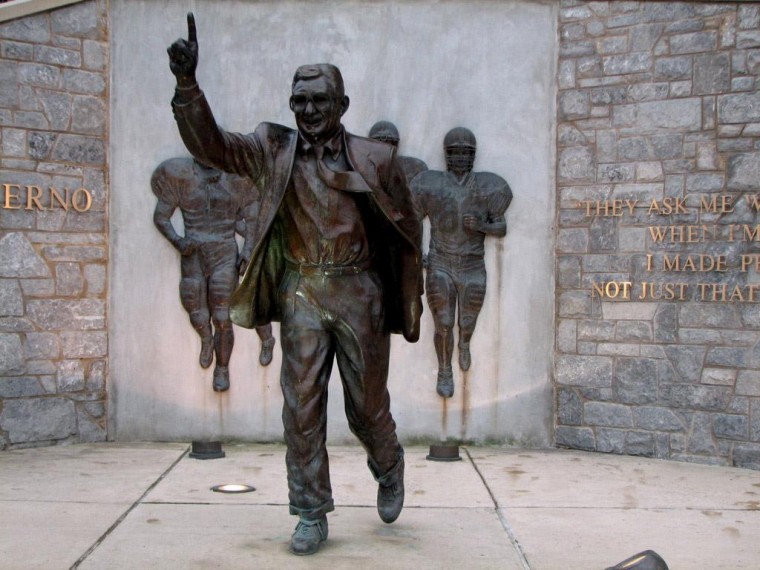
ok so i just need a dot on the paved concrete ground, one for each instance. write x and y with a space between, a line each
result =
146 506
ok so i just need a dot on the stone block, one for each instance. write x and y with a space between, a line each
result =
575 304
705 182
639 443
69 279
743 171
696 397
576 48
631 311
623 64
11 300
575 438
634 149
42 345
700 439
94 55
572 240
610 440
96 376
746 455
687 361
569 272
40 75
11 354
58 56
14 143
596 330
667 11
602 235
569 408
95 276
672 68
57 108
90 431
592 371
611 95
683 26
696 42
618 349
607 415
712 73
718 376
726 356
95 409
40 144
635 380
748 383
748 16
666 146
20 387
631 239
84 82
28 420
612 45
748 39
754 429
576 164
59 314
742 84
656 419
88 344
616 172
645 36
731 426
88 115
79 149
665 323
709 316
80 20
32 29
19 259
739 107
70 376
649 172
639 331
574 104
682 114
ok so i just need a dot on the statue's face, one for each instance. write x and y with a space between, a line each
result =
318 108
460 159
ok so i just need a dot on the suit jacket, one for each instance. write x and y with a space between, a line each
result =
266 156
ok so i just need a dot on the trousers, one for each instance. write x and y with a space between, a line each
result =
329 317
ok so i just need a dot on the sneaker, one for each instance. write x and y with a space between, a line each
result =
445 386
265 356
390 498
221 379
464 357
207 351
308 536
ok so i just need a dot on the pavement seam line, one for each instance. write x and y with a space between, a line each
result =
502 519
132 507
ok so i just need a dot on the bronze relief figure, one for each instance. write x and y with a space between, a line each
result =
464 207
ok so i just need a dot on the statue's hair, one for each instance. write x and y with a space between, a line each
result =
312 71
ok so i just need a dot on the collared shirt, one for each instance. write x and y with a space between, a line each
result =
322 225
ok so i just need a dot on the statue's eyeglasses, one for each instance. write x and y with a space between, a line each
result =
321 101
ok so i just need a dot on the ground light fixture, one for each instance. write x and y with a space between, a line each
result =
233 488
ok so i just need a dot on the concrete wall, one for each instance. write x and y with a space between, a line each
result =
53 258
427 66
659 102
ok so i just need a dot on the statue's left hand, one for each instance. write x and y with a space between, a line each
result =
183 54
471 223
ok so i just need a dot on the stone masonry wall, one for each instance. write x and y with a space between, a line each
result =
658 166
53 248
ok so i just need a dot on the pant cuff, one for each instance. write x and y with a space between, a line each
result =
313 513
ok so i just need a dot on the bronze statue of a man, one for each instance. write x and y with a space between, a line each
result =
213 205
336 259
464 207
387 132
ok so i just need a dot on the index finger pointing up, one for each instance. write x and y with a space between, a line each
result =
192 37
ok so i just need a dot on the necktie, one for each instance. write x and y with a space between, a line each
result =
344 180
